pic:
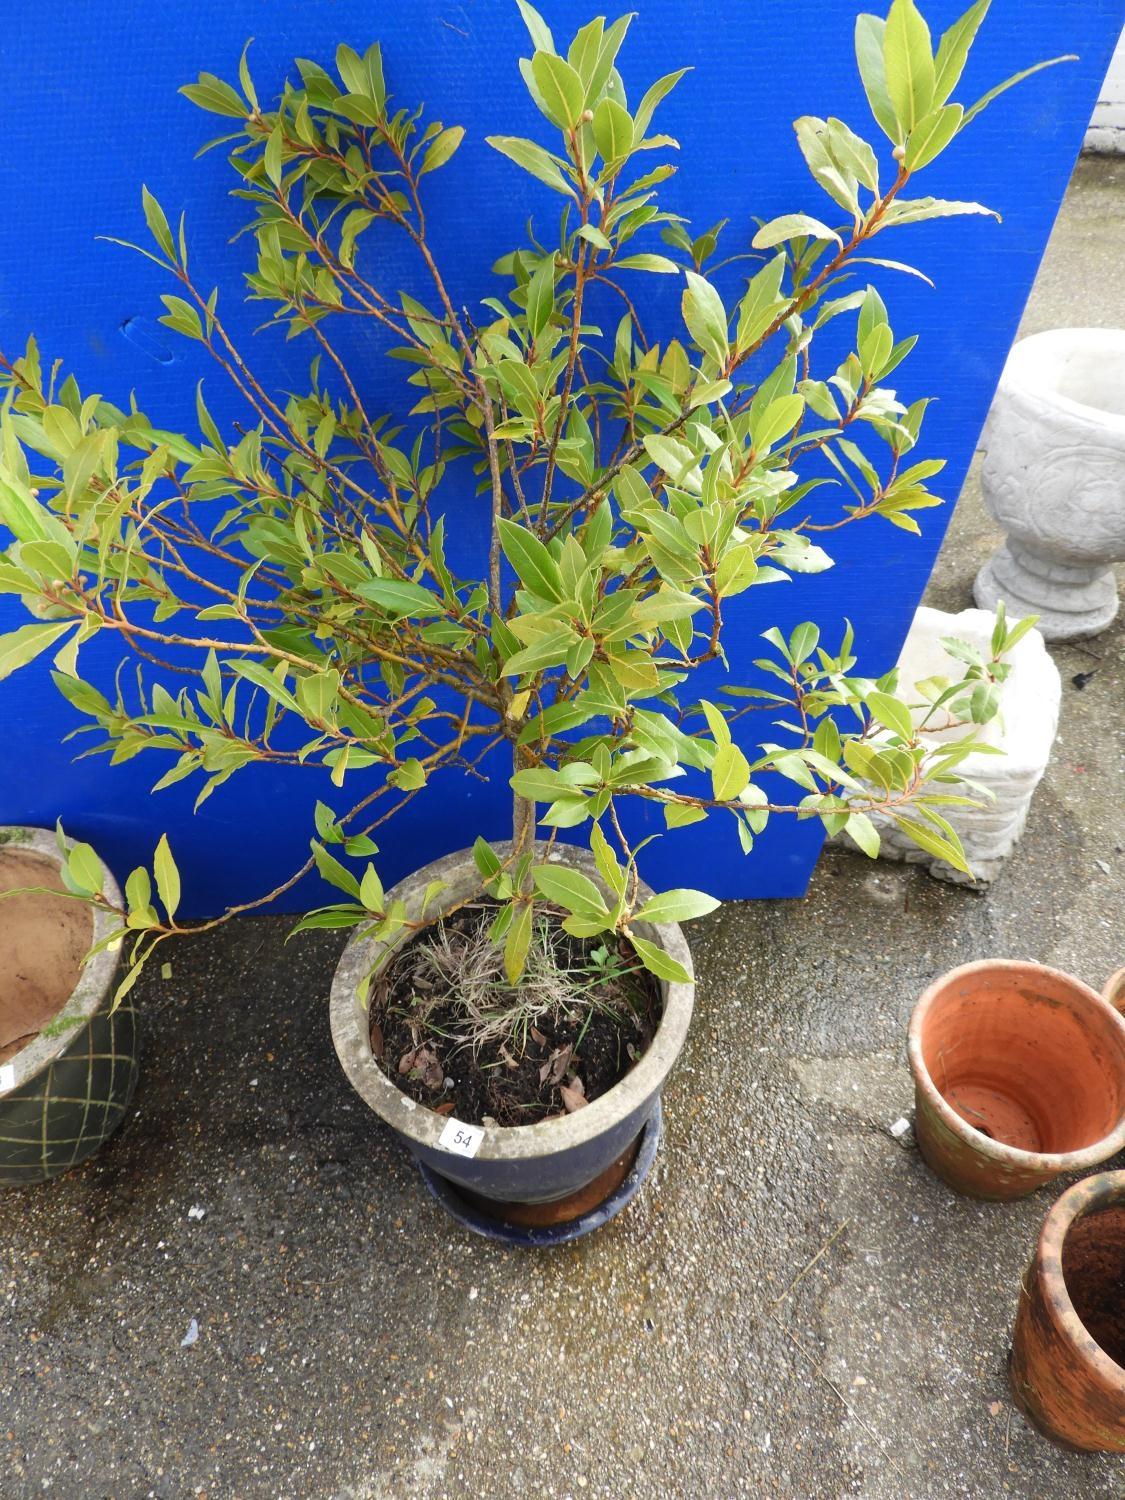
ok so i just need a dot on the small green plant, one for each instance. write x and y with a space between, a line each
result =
631 488
975 696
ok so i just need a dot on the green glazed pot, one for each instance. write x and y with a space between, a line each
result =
67 1089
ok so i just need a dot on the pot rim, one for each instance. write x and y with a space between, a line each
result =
1025 359
1039 1161
351 1035
1105 1190
94 978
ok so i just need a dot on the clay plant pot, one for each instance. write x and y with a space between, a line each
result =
1067 1366
527 1184
1019 1074
67 1066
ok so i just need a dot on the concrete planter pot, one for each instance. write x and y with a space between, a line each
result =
1019 1074
537 1183
1054 478
1067 1365
1024 730
62 1094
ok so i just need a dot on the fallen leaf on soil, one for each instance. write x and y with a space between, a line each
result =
554 1069
573 1095
538 1036
422 1063
377 1046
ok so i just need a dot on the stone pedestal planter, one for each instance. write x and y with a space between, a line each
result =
1054 479
1024 730
528 1184
67 1066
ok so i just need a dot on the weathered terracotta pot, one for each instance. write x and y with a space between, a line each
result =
1068 1350
1019 1074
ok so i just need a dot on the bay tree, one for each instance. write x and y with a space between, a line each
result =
285 587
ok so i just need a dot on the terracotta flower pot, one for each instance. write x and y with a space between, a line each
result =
1068 1350
1019 1074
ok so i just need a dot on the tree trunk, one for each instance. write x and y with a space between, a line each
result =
523 811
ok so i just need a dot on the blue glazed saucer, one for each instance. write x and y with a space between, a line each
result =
534 1236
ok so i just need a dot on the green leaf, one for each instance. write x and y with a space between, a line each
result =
25 644
334 872
791 227
486 860
837 181
409 776
363 76
869 36
138 890
914 210
399 596
562 90
539 31
158 224
371 890
532 158
541 296
215 96
642 117
730 771
929 839
85 868
986 99
931 136
167 876
244 77
909 63
953 49
863 833
569 889
853 152
892 713
441 149
676 906
534 565
272 156
648 262
657 962
517 943
613 130
705 316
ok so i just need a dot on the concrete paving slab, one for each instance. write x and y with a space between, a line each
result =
794 1307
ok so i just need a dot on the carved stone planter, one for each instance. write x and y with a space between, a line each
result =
1054 479
1024 729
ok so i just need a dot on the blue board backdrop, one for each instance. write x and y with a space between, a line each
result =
92 111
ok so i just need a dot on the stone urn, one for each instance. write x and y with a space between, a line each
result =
1054 479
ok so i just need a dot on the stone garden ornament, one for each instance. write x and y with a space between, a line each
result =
1054 479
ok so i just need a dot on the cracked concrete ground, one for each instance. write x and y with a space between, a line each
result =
354 1344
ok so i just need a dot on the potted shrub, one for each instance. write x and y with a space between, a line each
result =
629 492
